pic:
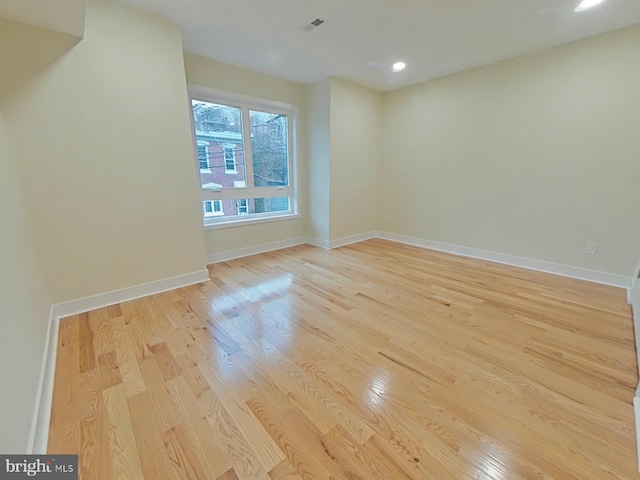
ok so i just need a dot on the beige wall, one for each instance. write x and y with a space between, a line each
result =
318 185
356 115
24 308
104 145
345 141
534 156
221 76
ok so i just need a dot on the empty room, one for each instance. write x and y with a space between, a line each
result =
319 240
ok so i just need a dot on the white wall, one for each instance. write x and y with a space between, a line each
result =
356 116
318 193
104 145
221 76
534 156
24 307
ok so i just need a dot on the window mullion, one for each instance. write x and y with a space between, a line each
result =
248 152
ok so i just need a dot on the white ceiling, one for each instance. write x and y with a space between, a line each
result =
66 16
360 39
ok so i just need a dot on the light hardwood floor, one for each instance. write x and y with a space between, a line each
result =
372 361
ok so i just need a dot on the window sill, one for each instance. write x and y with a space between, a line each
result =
231 172
205 170
242 222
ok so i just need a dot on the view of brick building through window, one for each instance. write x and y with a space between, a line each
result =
223 162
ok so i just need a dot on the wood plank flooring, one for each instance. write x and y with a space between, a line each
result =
372 361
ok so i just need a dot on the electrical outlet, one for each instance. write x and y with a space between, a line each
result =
592 248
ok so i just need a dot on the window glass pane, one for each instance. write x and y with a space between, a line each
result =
220 141
270 148
273 204
245 206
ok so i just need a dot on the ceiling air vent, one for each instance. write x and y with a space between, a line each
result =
316 23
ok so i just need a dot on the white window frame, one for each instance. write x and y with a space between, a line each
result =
246 103
219 212
202 143
231 146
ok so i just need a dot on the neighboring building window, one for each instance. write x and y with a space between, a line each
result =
229 158
203 155
243 206
213 208
249 157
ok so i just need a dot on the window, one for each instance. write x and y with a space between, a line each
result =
229 159
212 208
203 155
250 156
243 206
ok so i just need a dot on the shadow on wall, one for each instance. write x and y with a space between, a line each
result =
28 51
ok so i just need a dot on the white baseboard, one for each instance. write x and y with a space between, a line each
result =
361 237
245 252
340 242
636 412
317 242
39 434
529 263
86 304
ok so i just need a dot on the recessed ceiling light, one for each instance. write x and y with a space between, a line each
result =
399 66
587 4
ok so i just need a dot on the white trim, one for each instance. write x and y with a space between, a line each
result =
86 304
245 252
529 263
361 237
636 411
249 219
317 242
39 435
196 91
246 103
634 300
253 192
340 242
